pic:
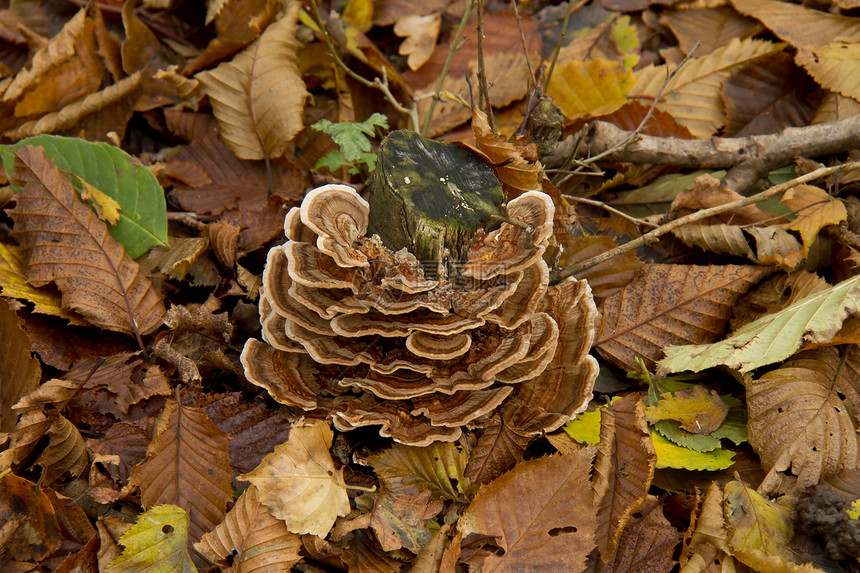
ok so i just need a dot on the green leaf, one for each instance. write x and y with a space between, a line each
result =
672 431
774 337
625 36
353 137
157 543
670 455
734 427
143 214
333 161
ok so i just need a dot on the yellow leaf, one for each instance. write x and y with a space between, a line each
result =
854 512
700 410
588 89
693 96
817 210
105 206
671 455
359 13
585 427
258 97
759 531
157 542
835 66
299 483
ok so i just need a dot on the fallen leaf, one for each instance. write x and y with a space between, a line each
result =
709 27
623 470
497 450
164 527
693 95
27 519
817 209
647 544
186 465
299 483
774 337
668 303
399 520
105 206
800 417
700 410
671 455
421 33
19 370
798 25
588 89
439 467
250 538
100 280
258 97
552 528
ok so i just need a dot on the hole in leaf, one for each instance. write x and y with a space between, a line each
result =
779 409
840 394
167 529
637 515
499 552
556 531
454 483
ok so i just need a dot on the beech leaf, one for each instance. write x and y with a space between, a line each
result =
669 304
774 337
299 483
439 467
158 542
552 525
700 410
670 455
251 539
64 242
186 465
139 198
258 97
589 89
19 370
800 420
817 209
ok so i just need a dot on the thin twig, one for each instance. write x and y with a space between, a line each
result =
525 47
483 87
380 84
652 236
455 45
609 208
570 10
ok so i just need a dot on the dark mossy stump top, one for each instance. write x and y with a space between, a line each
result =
432 198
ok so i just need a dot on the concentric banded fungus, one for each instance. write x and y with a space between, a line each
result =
356 330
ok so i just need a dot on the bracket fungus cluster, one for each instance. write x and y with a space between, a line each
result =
357 332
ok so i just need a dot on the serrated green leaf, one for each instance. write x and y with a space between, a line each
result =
143 214
353 137
333 161
774 337
157 543
734 427
672 431
670 455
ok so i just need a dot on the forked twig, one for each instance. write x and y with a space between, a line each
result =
559 275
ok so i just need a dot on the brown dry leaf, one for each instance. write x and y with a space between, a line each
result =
647 544
835 107
670 304
706 193
176 261
700 410
19 370
251 539
800 26
693 95
399 520
96 114
497 451
598 43
187 466
729 239
429 559
28 521
299 483
608 277
65 452
623 470
365 556
439 467
775 246
834 66
799 417
388 12
258 97
768 96
224 238
588 89
504 61
64 242
705 542
552 527
711 27
421 33
817 209
122 447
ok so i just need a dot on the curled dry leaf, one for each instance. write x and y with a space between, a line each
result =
258 97
668 303
552 528
19 370
64 242
27 519
251 539
186 465
801 416
623 470
299 483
